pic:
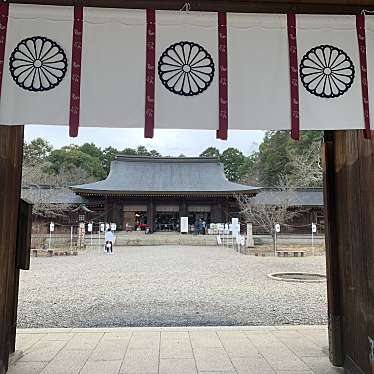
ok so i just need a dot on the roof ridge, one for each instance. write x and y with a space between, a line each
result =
136 158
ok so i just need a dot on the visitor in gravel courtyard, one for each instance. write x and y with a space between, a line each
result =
109 241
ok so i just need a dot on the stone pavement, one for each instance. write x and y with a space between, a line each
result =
190 350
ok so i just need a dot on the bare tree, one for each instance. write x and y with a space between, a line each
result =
277 208
36 175
307 167
44 201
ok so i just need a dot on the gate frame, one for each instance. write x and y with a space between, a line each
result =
11 163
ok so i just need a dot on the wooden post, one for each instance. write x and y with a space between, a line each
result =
332 251
11 150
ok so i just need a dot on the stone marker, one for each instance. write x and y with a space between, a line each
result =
249 242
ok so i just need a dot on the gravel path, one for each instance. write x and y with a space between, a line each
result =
168 286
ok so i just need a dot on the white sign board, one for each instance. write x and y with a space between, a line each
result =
235 221
113 226
242 240
184 225
106 226
314 228
51 227
277 227
102 227
89 227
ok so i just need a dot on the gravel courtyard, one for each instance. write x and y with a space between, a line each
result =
168 286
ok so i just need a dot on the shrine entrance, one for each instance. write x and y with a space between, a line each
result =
348 158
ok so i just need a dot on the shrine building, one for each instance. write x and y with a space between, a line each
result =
156 192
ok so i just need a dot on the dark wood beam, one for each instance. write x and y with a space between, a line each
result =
249 6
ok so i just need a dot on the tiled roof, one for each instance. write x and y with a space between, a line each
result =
139 175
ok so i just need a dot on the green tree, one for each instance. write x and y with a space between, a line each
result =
92 150
211 152
154 153
142 151
36 151
129 152
69 158
248 170
233 161
277 154
109 154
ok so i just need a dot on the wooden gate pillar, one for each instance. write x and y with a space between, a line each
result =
332 252
349 202
11 150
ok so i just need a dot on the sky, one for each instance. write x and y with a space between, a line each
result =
167 142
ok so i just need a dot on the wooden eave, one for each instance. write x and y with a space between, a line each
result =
249 6
164 194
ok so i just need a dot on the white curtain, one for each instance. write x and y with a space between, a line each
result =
114 58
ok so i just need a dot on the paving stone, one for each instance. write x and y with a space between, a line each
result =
67 362
117 335
295 372
145 340
287 334
26 341
101 367
27 367
67 355
84 341
63 336
239 347
110 350
140 361
176 348
180 366
321 365
212 359
202 339
303 347
43 351
231 334
319 337
250 365
171 335
282 358
264 339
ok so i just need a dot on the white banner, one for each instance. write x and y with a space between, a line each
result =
37 69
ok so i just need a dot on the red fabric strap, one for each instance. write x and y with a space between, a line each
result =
294 77
4 12
76 60
361 36
150 74
223 82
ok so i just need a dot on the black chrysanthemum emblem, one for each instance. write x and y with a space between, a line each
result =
327 71
38 64
186 68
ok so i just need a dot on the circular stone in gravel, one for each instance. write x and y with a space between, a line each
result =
298 277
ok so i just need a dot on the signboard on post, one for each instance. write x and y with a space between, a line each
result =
184 225
235 226
89 227
102 227
113 226
277 227
51 227
314 228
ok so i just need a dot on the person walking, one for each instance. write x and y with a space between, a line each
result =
109 241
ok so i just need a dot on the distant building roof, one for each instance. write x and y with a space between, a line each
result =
299 197
50 195
162 175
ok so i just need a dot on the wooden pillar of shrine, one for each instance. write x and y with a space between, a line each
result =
11 146
349 209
